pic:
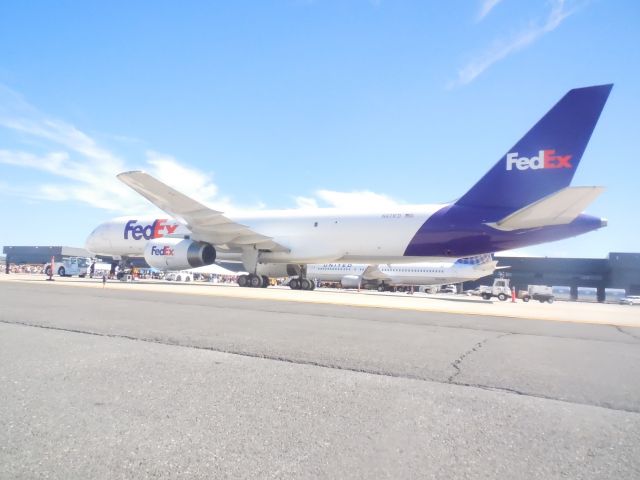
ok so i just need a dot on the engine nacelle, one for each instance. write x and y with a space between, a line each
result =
351 281
178 254
278 270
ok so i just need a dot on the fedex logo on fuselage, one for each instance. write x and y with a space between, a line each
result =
545 159
162 251
159 228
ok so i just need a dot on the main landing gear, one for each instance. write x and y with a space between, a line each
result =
301 284
253 281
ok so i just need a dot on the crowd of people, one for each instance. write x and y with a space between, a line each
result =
23 268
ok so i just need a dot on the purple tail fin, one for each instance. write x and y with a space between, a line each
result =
546 158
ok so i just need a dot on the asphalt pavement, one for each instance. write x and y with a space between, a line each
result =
101 383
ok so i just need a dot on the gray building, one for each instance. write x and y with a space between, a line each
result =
21 255
618 270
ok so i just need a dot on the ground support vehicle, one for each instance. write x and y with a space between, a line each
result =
70 266
541 293
500 289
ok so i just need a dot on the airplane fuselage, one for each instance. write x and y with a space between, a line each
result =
401 235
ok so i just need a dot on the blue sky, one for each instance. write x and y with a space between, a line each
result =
280 104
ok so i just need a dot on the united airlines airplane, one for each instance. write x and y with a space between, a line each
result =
525 199
386 277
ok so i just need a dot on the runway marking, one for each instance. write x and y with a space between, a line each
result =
369 301
311 363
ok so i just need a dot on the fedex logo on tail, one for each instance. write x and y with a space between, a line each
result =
545 159
159 228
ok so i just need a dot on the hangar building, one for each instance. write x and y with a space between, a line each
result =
40 255
618 270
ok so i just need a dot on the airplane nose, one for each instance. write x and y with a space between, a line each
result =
92 242
89 243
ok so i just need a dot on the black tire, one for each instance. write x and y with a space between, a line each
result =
550 300
255 281
47 271
305 284
179 278
486 296
243 280
294 284
502 297
62 272
265 281
525 299
187 278
381 288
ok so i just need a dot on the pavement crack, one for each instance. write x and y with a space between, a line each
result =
300 361
458 361
621 330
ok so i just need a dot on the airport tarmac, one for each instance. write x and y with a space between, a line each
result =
204 381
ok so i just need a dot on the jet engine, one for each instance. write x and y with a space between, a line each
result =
178 254
351 281
278 270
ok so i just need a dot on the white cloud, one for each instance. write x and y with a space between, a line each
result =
79 169
486 7
522 39
356 200
359 200
306 203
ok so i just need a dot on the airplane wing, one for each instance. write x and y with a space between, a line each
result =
372 272
559 208
206 224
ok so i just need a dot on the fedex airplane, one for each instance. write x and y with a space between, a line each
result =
385 277
524 199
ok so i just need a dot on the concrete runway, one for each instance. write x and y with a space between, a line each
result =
128 383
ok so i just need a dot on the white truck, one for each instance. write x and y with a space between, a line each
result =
542 293
70 266
500 289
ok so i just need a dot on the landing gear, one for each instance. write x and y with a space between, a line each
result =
253 281
301 284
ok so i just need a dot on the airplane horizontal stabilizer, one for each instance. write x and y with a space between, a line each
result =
559 208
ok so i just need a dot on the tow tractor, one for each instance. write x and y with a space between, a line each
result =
502 290
70 266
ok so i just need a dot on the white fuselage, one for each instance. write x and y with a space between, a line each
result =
426 273
310 236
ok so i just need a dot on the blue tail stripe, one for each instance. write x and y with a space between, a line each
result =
520 177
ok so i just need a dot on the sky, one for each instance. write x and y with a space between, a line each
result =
271 104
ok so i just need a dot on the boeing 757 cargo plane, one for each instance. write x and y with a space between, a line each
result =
525 199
